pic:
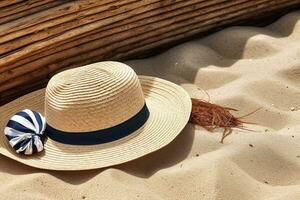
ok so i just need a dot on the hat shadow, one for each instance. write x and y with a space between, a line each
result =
143 167
170 155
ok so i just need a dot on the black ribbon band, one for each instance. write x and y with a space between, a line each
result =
101 136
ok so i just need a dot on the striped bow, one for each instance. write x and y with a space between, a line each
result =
24 131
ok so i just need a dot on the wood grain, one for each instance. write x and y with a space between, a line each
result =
39 38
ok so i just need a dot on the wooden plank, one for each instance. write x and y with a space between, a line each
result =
75 33
5 3
26 8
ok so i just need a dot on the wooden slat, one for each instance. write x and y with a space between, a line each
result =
26 8
4 3
20 7
74 33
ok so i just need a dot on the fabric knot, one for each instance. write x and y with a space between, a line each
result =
24 131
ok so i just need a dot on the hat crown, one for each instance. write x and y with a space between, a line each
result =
93 97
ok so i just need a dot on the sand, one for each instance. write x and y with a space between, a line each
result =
241 67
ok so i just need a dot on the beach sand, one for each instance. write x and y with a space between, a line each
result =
241 67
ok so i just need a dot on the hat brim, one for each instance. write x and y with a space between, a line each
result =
169 107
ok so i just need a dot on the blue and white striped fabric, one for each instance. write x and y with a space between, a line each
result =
24 131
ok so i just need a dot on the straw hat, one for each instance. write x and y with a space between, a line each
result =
96 116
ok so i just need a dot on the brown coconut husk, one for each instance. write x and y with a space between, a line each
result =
212 116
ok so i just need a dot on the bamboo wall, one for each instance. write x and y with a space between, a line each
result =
40 37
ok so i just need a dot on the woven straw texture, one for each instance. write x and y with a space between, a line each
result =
93 97
168 103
